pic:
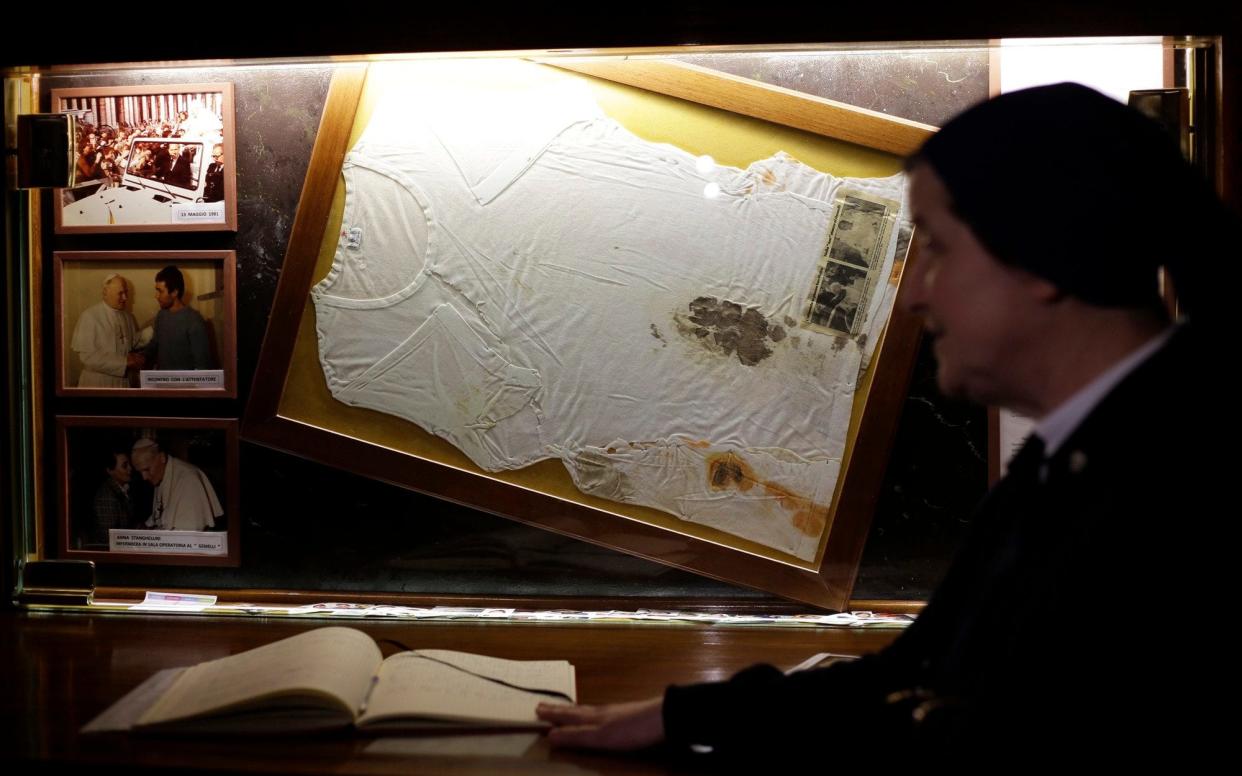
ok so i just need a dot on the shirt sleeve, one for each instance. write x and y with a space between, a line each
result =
761 707
866 702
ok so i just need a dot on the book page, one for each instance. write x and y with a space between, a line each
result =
330 668
415 685
124 714
548 675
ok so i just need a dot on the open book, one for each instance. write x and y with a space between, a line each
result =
336 677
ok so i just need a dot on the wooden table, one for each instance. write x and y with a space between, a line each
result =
61 669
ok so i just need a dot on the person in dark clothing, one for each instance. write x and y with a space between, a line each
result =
180 340
161 160
112 505
182 171
213 190
1044 217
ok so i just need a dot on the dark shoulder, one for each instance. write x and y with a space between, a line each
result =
187 316
1157 401
1141 444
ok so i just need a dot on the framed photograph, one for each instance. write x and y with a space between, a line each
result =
149 159
148 490
156 323
626 354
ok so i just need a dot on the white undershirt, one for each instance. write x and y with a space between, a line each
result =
517 274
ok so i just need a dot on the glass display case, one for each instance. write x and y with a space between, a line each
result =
594 327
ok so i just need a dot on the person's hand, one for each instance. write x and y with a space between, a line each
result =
616 726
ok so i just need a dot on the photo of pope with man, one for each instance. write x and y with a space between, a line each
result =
145 321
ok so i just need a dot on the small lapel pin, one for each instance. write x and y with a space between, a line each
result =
1077 462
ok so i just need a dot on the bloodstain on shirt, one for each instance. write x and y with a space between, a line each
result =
729 470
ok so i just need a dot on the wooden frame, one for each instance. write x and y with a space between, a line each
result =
152 181
78 277
821 116
825 581
83 443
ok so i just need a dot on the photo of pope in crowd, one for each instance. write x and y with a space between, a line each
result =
140 157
